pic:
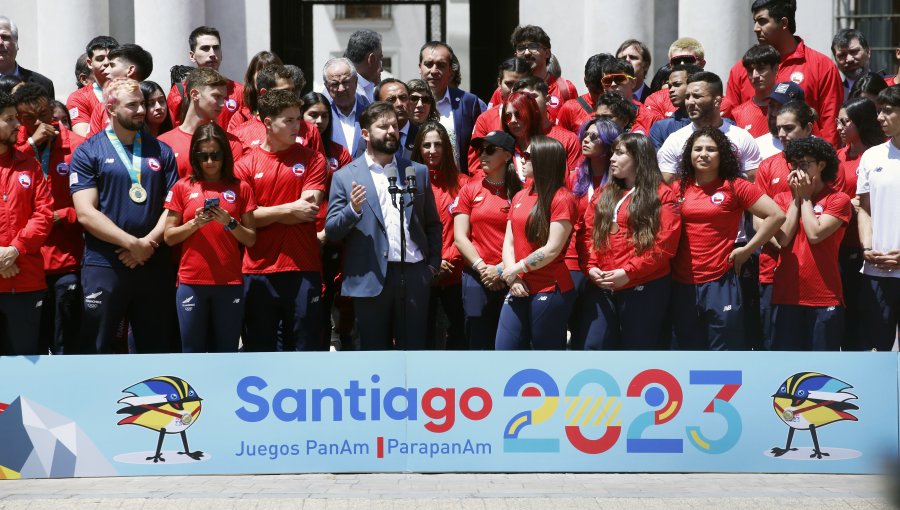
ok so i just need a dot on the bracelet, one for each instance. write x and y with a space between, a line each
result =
476 264
499 268
524 265
867 249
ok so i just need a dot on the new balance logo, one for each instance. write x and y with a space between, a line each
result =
542 298
314 300
236 301
259 175
727 308
110 160
71 287
39 304
95 295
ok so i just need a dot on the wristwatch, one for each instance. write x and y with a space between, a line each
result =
233 224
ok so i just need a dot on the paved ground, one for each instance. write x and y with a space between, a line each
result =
453 491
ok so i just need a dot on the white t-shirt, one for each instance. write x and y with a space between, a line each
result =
879 176
669 155
769 145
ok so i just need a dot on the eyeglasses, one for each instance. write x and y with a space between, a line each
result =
208 156
617 78
683 59
802 164
526 156
592 136
531 46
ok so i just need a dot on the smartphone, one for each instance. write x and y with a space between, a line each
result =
210 203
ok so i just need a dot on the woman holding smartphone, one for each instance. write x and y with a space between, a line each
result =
211 215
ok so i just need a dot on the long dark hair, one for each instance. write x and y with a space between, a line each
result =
864 115
212 132
643 210
260 60
447 172
548 162
147 89
608 131
729 165
311 99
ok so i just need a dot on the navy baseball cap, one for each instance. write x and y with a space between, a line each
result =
786 91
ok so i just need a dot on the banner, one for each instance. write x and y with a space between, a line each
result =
791 412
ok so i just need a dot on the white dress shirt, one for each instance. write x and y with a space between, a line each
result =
391 215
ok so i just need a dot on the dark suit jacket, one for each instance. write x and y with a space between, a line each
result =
366 259
466 109
32 77
410 142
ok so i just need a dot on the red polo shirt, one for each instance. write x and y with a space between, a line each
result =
562 208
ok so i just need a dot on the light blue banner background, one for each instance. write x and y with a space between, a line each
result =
86 390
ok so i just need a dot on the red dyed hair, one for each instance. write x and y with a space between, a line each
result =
527 110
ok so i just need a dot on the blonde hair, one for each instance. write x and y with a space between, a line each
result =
116 86
687 45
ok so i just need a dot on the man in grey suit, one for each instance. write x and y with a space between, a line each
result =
361 212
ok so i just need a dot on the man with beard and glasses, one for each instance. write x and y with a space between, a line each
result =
25 221
119 179
361 211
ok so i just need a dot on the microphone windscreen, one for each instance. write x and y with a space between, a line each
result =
410 172
391 172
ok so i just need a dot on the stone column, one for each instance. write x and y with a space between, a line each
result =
162 28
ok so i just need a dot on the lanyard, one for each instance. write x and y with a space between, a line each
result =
98 92
619 205
43 157
135 167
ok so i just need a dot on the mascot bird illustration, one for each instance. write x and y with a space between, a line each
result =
809 401
167 404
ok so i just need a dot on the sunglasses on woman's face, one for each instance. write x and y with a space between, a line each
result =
489 149
526 156
592 136
208 156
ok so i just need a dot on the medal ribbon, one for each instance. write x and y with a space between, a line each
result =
619 205
43 157
98 92
135 167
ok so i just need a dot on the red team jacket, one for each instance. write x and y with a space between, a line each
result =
25 219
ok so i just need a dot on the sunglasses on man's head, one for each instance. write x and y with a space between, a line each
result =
208 156
617 78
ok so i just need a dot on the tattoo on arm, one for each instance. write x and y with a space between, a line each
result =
535 258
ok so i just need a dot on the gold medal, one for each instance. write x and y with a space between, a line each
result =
613 228
788 415
137 193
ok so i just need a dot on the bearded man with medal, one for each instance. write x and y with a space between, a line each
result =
119 179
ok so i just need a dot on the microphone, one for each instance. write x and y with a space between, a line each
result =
410 180
392 175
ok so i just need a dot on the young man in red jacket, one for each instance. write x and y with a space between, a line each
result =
52 145
25 219
774 23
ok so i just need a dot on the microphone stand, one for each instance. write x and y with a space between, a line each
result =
395 190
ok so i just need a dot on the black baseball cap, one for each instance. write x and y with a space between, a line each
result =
501 139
